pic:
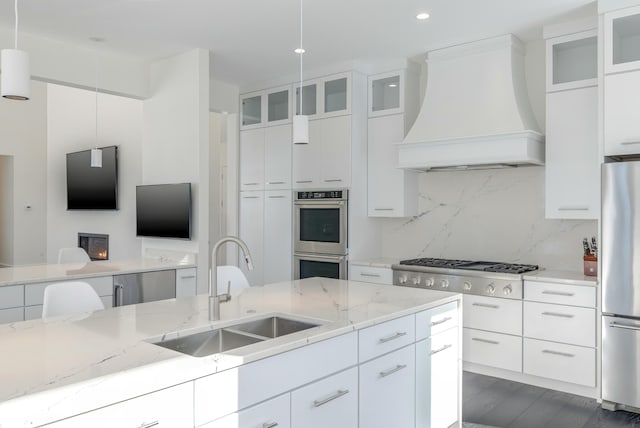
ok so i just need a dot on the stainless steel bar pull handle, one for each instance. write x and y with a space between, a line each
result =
393 337
490 342
625 326
251 184
275 182
445 347
630 142
152 424
557 314
276 197
573 209
442 321
373 275
187 276
393 370
340 393
250 197
561 354
269 424
333 180
558 293
383 209
304 181
485 305
119 290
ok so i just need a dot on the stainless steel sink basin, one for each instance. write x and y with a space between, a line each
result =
209 342
235 336
273 326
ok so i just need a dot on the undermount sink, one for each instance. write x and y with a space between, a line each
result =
235 336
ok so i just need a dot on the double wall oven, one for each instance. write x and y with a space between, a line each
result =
321 234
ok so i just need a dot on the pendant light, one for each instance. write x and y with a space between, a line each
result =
300 121
96 153
15 76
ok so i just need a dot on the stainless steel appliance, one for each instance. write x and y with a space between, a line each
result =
463 276
143 287
320 234
621 285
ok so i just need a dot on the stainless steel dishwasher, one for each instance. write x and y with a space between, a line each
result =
144 287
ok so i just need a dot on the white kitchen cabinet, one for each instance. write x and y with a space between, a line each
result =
251 232
251 110
171 407
376 275
11 303
621 104
325 162
330 402
386 385
265 108
386 93
270 414
392 192
437 320
186 284
561 294
277 157
572 171
252 159
336 95
386 337
277 236
559 361
491 349
437 380
572 60
278 105
560 323
11 315
493 314
622 40
310 99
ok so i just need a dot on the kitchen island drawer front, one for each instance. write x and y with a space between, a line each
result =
11 315
492 314
273 413
386 337
266 378
563 294
377 275
492 349
11 296
436 320
331 402
34 293
562 362
559 323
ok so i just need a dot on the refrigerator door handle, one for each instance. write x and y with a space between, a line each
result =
625 326
119 289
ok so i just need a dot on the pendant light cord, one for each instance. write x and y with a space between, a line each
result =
95 59
301 53
16 31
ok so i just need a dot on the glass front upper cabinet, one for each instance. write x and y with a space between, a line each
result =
572 61
337 95
251 114
386 94
309 99
622 40
278 102
269 107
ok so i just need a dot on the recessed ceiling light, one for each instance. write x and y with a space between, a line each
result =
299 50
393 85
422 16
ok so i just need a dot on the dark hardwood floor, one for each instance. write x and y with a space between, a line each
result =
505 404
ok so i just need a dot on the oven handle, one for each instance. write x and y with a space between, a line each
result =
320 258
318 204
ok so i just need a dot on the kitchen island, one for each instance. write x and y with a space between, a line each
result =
89 368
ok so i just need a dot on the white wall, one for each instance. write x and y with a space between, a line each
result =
71 128
6 211
176 143
224 97
495 215
23 134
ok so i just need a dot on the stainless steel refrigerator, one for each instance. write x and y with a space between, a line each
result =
621 285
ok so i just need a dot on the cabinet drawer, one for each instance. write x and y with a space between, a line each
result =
11 315
386 337
562 362
171 407
563 294
249 384
34 293
492 349
11 296
378 275
331 402
492 314
436 320
389 379
186 282
272 413
558 323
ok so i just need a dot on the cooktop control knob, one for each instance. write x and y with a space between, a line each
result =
467 285
416 280
491 288
429 282
444 283
507 290
402 279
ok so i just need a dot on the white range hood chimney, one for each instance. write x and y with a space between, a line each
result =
476 112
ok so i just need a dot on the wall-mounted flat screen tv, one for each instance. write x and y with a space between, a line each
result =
91 188
164 210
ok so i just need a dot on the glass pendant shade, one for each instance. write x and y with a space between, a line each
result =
15 74
300 129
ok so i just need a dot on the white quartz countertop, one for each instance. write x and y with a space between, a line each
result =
60 272
562 277
61 366
382 262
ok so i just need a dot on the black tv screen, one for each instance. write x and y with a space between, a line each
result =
91 188
164 210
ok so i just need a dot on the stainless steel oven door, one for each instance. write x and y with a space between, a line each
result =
321 227
310 265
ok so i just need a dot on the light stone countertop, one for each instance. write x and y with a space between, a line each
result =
382 262
58 367
59 272
562 277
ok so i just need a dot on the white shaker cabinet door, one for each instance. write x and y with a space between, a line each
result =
621 107
252 159
277 157
251 232
306 159
277 236
270 414
336 152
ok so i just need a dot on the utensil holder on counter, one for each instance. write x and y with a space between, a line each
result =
590 266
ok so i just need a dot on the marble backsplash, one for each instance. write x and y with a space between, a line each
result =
495 215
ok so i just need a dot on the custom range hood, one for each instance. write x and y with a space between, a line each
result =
476 112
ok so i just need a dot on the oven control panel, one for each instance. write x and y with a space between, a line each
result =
321 194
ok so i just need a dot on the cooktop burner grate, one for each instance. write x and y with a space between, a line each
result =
497 267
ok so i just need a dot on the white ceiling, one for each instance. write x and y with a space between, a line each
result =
253 40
